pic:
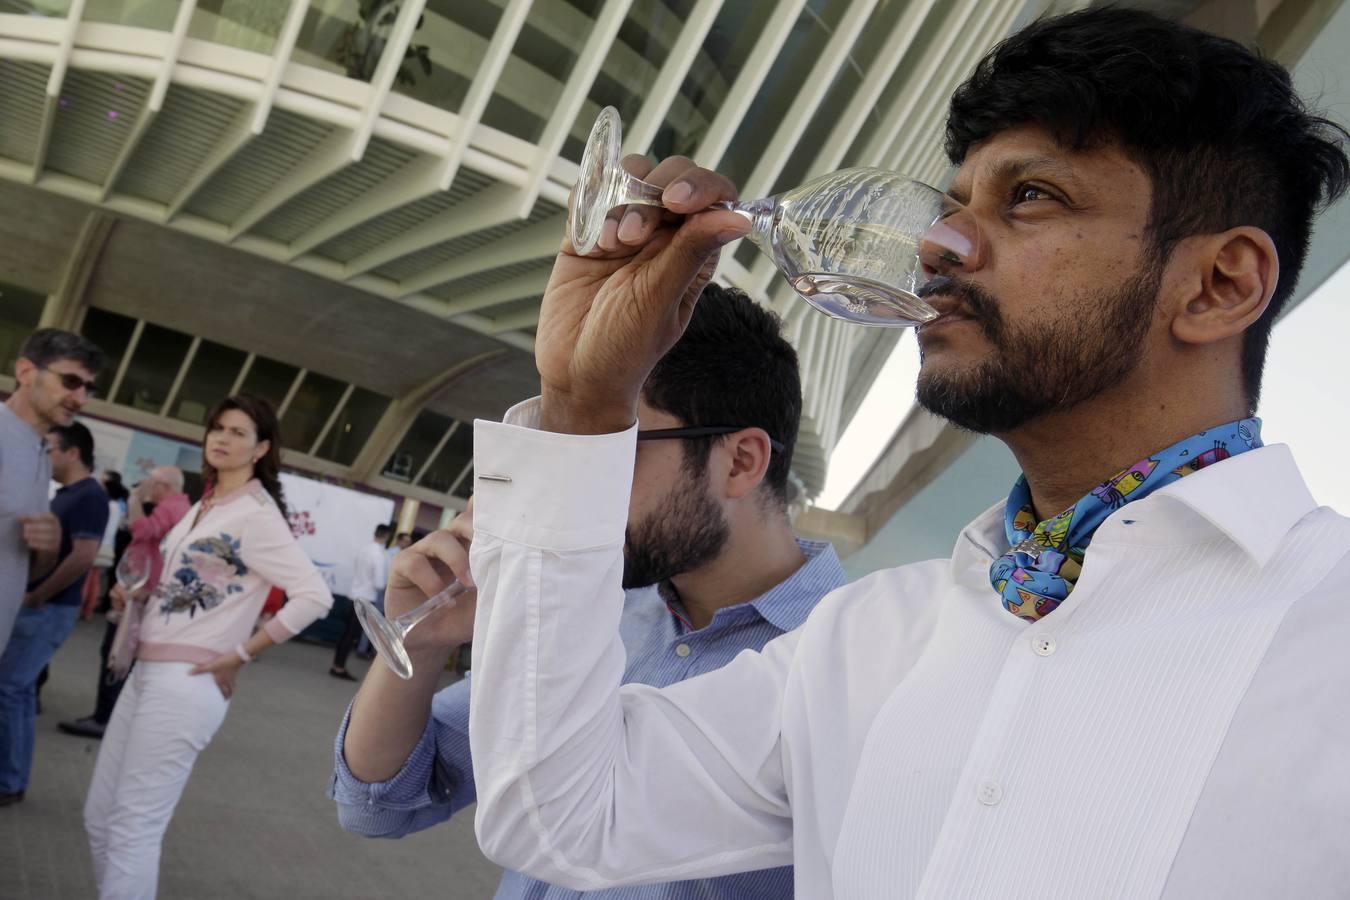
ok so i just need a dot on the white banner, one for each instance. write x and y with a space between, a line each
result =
332 524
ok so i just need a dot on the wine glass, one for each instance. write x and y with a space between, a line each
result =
132 574
387 634
859 244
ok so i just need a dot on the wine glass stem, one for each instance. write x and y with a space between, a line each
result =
410 618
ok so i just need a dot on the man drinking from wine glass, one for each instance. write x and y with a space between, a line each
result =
1128 680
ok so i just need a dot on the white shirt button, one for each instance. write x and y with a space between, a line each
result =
682 650
1043 644
990 793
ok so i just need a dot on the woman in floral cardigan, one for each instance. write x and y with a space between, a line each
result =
196 634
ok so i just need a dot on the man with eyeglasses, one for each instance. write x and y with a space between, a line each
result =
710 568
54 378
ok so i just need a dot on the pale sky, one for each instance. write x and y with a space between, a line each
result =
1305 400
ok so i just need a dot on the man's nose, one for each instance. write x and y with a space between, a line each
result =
953 244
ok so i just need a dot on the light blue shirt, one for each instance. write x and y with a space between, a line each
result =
437 779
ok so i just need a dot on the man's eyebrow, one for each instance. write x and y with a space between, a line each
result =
1015 168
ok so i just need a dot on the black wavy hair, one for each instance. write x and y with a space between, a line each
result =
732 366
1223 136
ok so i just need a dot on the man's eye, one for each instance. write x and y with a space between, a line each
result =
1029 193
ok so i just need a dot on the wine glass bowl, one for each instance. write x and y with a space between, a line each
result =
858 244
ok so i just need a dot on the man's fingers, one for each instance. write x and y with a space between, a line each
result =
451 550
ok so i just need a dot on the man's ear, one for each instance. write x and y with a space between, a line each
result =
25 370
1237 273
750 454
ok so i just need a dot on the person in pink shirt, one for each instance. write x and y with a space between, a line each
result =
197 632
162 493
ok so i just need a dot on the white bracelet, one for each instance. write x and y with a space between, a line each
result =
243 654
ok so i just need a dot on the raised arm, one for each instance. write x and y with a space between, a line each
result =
580 782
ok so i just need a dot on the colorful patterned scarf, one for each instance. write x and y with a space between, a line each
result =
1040 570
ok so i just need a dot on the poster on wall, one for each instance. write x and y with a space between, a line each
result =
332 524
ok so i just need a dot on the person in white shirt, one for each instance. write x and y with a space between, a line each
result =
1129 680
370 574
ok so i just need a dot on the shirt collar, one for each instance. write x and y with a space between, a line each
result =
1253 499
787 604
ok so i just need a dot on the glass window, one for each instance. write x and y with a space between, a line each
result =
20 312
464 490
154 366
270 380
329 37
310 410
112 333
246 24
412 452
209 379
454 456
154 14
354 425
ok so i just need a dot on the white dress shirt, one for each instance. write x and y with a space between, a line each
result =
370 572
1177 728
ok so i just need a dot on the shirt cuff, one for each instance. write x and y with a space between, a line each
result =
411 788
555 491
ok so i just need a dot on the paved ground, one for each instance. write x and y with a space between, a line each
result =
255 820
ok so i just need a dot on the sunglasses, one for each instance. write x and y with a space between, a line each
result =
664 434
72 382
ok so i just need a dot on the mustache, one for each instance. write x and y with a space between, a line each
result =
975 301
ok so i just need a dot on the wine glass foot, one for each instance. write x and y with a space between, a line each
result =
592 195
386 637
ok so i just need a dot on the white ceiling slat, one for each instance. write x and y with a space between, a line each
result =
341 149
587 66
156 99
807 102
539 241
54 81
638 135
250 121
521 287
748 82
484 207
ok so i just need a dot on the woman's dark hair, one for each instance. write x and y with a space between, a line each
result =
268 469
1219 129
732 366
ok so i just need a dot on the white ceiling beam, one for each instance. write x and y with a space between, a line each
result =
519 287
285 404
250 121
797 118
126 359
55 79
181 376
243 373
539 241
523 319
945 74
409 184
638 136
455 222
746 89
155 102
897 114
341 148
579 83
484 84
65 307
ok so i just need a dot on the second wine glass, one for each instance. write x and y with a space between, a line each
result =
859 244
387 634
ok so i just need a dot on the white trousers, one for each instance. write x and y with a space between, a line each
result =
162 720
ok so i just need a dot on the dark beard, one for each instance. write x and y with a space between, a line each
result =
1035 371
686 532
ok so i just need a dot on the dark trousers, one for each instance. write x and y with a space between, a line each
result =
350 635
108 687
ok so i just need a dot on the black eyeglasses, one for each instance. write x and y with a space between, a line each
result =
663 434
72 382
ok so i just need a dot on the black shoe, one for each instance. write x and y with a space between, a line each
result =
11 799
87 727
341 673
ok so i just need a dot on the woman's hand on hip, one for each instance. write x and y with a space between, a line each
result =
224 668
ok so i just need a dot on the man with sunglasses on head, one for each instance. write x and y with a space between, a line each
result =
710 568
1130 678
54 378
